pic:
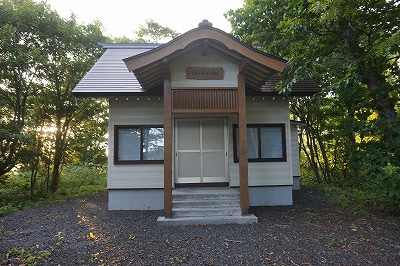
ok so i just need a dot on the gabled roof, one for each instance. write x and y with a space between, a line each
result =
148 67
109 75
302 87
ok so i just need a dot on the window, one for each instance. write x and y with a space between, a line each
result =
139 144
265 143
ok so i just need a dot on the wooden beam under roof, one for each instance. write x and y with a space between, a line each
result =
212 34
204 47
243 66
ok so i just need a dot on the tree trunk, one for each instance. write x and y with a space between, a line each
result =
327 168
312 158
385 106
354 162
57 157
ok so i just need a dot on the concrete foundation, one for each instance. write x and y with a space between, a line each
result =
153 199
136 199
296 183
270 196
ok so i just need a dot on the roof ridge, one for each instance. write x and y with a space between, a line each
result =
128 45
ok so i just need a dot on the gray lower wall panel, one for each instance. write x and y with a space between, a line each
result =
296 183
153 199
136 199
270 196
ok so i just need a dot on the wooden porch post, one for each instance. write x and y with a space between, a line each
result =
243 163
167 146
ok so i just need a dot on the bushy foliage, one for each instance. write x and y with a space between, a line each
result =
82 179
42 58
75 180
350 48
385 185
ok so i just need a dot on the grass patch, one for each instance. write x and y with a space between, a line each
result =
80 180
21 256
351 199
377 190
76 180
357 200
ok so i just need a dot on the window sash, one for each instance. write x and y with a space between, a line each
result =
128 144
153 143
138 144
271 142
265 143
253 139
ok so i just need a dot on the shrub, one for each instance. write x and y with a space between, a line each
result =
75 180
82 179
385 184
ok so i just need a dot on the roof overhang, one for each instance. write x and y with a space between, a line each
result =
109 76
256 65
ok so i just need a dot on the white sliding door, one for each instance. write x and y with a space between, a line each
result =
200 150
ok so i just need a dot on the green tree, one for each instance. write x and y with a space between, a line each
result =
154 32
89 136
43 58
20 59
71 50
122 39
349 47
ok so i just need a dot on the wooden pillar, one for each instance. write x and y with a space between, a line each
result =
243 161
167 146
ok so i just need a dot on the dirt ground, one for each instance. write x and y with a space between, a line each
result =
81 231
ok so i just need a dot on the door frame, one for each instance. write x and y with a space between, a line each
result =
175 153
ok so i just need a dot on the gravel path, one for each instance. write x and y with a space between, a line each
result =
81 231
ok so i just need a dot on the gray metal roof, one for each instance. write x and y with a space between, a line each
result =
109 74
303 87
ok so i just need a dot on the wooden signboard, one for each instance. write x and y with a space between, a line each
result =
204 73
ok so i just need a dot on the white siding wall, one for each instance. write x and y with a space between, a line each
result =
134 112
269 110
295 151
142 112
195 59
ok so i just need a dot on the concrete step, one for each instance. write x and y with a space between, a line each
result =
206 190
206 206
187 194
206 212
196 203
248 219
187 197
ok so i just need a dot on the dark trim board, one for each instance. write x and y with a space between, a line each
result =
216 184
109 189
157 92
177 185
266 186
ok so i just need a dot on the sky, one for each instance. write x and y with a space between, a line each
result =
123 17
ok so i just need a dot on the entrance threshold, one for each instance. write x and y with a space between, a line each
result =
214 184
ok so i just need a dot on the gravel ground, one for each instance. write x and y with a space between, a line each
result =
81 231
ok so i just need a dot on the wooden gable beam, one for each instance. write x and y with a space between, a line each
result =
141 60
204 47
244 65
